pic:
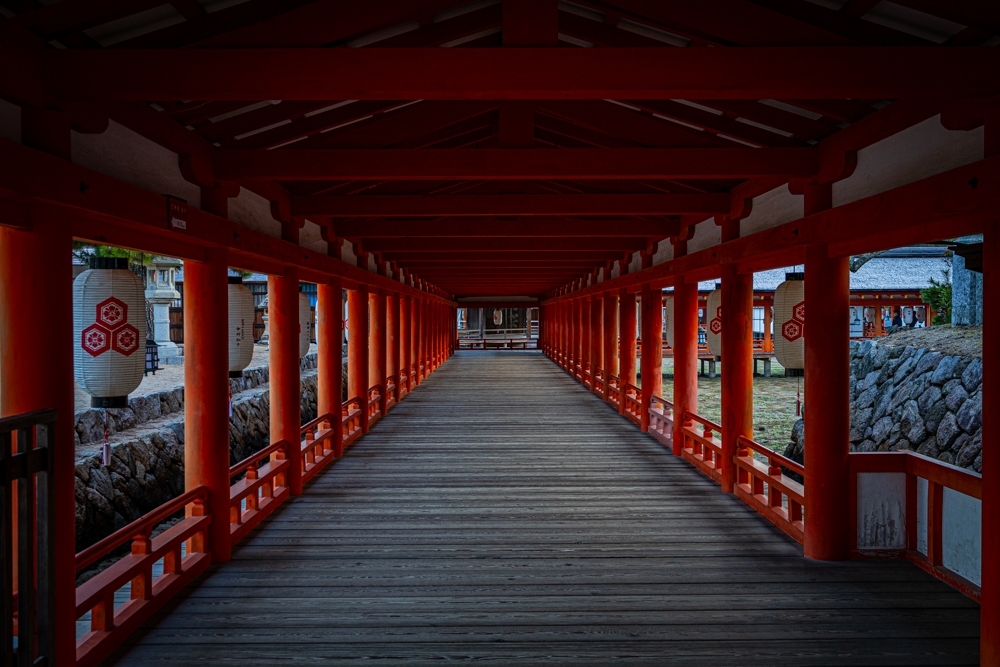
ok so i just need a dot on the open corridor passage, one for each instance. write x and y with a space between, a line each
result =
503 514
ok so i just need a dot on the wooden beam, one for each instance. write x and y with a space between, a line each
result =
520 73
958 202
509 205
515 164
106 210
526 228
539 245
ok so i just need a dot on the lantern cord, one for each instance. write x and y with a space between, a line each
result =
230 400
106 450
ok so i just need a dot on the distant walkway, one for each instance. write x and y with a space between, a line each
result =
502 514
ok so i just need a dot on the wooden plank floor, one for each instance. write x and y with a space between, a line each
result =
503 514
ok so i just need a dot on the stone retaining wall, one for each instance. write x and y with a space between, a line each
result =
906 398
147 469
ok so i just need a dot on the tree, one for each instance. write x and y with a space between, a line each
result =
938 295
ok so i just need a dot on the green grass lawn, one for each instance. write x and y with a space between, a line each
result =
773 402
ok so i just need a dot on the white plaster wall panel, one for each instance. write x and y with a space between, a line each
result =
371 263
10 121
961 534
773 208
123 154
922 515
915 153
311 236
706 235
635 263
882 510
347 253
664 252
253 211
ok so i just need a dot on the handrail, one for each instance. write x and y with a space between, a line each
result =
256 457
661 420
766 488
614 390
261 491
598 387
111 623
390 391
703 449
633 403
374 403
351 420
316 442
95 552
919 514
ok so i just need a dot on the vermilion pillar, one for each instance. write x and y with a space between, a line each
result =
415 339
737 367
357 350
286 407
585 340
652 349
827 394
394 327
404 338
685 355
377 340
572 322
36 373
596 336
990 568
610 341
206 391
626 353
422 339
330 348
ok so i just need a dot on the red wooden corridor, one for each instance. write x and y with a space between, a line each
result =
416 157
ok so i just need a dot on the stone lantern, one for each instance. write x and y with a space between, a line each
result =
161 291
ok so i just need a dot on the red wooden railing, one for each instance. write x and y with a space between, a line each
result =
929 510
633 403
318 447
390 392
351 415
402 381
661 420
262 489
374 404
700 445
111 624
767 489
598 387
614 391
586 377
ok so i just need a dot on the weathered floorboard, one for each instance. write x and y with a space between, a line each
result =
503 514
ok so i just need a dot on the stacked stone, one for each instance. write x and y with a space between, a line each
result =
906 398
148 470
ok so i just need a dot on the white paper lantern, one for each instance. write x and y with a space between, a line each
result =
907 316
790 322
713 322
668 320
109 332
304 318
241 319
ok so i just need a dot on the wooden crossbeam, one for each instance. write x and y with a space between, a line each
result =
517 73
509 205
515 164
527 228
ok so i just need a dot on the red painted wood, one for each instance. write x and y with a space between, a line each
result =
509 205
652 351
329 343
737 375
627 342
990 623
518 73
514 164
283 310
827 420
357 348
685 358
36 371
